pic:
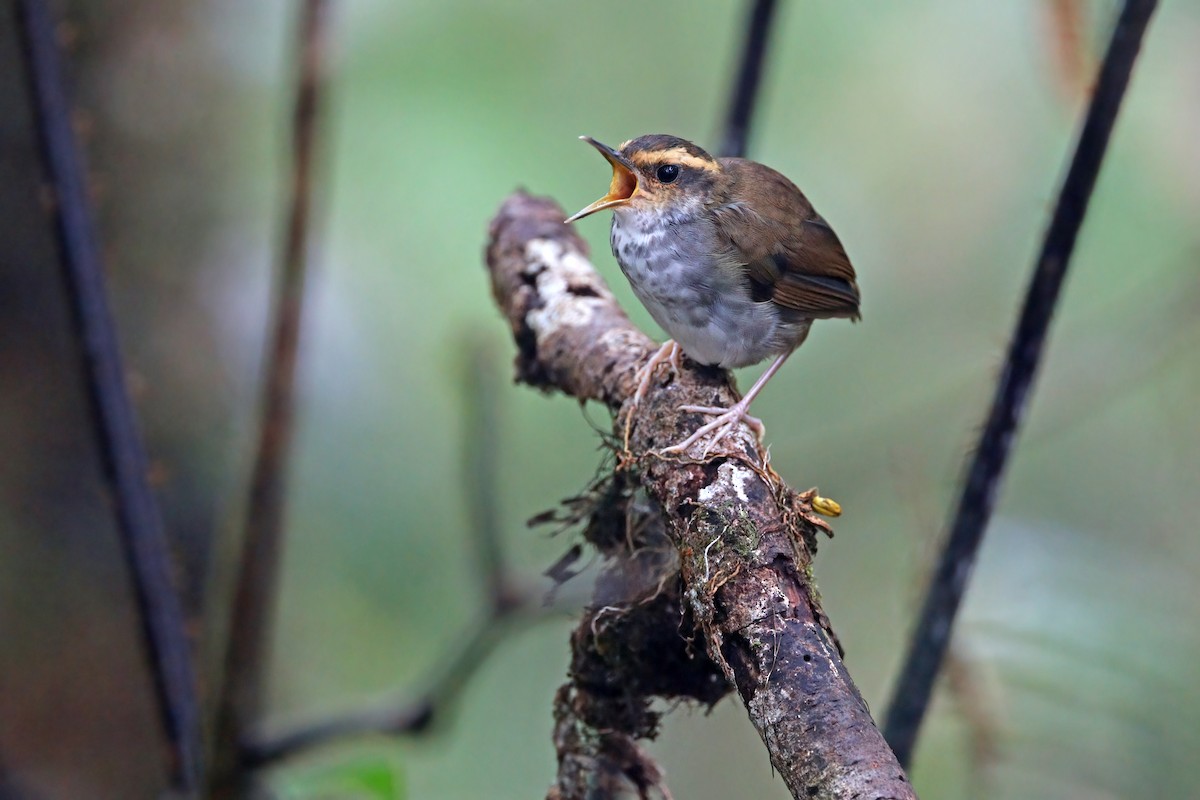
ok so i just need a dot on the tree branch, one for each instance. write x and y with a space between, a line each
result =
744 95
744 539
118 439
239 704
914 687
413 715
511 603
632 645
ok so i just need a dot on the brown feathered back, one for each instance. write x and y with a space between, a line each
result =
792 257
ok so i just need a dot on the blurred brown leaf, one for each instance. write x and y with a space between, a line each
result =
1071 58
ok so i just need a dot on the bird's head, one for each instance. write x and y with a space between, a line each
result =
655 173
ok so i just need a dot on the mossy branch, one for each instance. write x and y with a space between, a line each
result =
744 539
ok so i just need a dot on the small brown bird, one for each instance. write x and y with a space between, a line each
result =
727 255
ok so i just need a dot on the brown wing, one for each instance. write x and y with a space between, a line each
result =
791 255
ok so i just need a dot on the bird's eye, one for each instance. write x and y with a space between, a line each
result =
667 173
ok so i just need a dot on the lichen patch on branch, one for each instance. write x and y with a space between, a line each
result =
565 283
734 476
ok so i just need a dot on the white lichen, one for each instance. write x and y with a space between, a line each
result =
557 268
730 475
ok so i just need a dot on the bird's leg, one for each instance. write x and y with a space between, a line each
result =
668 352
727 418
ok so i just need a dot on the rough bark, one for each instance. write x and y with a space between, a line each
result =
632 645
744 542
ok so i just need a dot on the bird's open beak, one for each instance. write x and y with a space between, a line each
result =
624 181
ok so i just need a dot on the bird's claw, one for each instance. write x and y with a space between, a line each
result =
727 419
668 352
755 423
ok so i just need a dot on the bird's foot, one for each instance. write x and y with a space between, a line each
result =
755 423
669 353
726 420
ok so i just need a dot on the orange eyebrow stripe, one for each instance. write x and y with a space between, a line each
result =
676 155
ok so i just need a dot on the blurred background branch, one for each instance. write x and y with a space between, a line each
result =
242 683
416 715
115 426
743 95
511 602
981 485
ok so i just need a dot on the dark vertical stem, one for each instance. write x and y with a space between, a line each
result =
124 457
241 700
931 637
745 91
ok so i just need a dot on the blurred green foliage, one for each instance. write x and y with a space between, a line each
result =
355 777
931 135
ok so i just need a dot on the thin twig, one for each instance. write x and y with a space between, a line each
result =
115 423
410 716
745 91
914 687
510 605
241 699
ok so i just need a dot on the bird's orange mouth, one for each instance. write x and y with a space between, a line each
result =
624 181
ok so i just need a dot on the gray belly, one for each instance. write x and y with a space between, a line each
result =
703 305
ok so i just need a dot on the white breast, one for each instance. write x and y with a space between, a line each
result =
705 306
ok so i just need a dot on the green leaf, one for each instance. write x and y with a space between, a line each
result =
361 777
